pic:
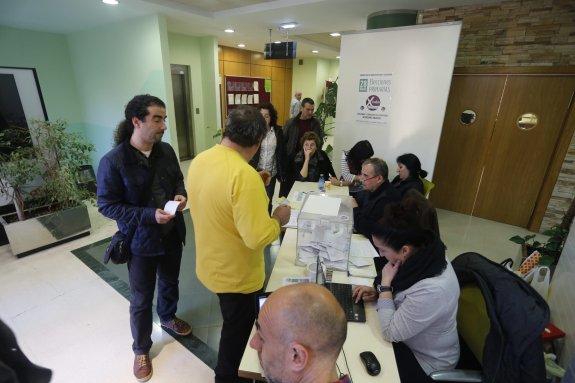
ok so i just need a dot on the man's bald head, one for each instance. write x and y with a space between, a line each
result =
309 314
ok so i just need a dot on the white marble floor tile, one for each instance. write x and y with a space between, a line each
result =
68 319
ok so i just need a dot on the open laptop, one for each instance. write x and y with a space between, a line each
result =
354 312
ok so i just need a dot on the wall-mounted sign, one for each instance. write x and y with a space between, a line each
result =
374 98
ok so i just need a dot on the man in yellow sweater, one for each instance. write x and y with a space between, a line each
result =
228 203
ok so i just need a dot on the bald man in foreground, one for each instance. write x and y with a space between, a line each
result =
300 331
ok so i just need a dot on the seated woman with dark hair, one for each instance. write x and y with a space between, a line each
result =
408 173
351 161
417 293
311 162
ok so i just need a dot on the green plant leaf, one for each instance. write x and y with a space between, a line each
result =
546 260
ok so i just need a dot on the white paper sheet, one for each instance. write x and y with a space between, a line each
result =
324 205
292 223
361 281
295 280
256 98
171 207
250 99
238 100
362 248
256 86
230 99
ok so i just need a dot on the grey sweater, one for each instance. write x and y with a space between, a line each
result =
424 318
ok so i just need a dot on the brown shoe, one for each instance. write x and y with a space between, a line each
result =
177 326
143 367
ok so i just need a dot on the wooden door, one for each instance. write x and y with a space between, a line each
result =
491 168
463 148
517 160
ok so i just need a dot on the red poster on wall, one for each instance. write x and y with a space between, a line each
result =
246 91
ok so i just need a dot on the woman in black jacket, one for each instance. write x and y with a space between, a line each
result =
408 174
311 162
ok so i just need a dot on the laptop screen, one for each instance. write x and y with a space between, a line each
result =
260 300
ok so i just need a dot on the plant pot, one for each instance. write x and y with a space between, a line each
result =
38 233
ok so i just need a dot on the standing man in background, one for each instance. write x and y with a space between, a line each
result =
135 180
232 226
294 130
295 106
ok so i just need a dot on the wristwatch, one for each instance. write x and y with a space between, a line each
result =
381 289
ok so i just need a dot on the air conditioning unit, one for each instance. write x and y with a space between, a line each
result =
283 50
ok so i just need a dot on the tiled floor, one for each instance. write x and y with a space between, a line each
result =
68 318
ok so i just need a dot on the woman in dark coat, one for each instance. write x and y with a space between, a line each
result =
271 154
408 174
311 162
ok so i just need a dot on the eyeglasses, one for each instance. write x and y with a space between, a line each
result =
365 177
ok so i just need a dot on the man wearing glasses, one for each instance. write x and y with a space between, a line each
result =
369 204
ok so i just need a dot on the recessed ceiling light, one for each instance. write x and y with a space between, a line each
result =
335 34
315 51
242 45
277 42
110 2
229 30
336 57
288 25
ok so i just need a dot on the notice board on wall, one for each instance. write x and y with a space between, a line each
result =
246 91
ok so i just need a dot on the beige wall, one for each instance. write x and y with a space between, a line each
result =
240 62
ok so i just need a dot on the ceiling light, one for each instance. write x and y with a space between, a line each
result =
315 51
229 30
335 34
336 57
277 42
242 45
110 2
288 25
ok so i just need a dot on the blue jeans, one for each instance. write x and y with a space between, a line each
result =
143 272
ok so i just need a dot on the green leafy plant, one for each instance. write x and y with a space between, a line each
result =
551 249
557 235
46 173
325 112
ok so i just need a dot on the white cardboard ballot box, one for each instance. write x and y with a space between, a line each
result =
324 228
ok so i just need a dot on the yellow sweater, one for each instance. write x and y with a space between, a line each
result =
228 203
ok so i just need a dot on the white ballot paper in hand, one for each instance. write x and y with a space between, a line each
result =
172 206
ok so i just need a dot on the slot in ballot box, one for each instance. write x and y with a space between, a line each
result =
324 228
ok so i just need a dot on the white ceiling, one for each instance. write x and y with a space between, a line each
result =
251 19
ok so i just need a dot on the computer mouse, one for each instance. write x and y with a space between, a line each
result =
370 362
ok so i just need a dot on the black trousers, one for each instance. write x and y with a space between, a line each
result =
270 192
143 272
239 314
286 186
408 367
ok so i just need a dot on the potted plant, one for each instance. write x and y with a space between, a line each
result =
40 173
325 112
550 249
